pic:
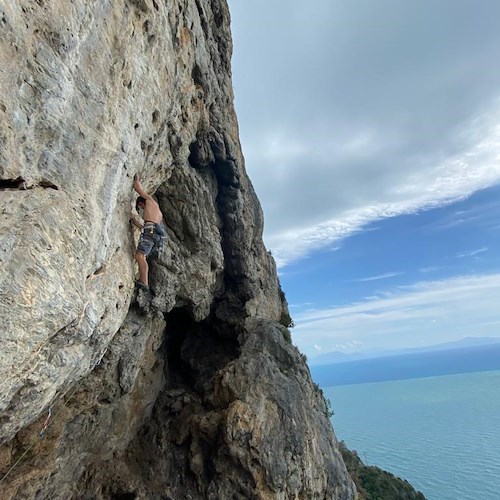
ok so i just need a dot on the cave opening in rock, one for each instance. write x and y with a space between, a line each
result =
179 329
195 351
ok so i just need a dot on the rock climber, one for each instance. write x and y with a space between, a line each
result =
152 233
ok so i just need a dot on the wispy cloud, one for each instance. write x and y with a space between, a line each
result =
380 277
350 345
427 186
424 313
483 214
429 269
301 305
471 253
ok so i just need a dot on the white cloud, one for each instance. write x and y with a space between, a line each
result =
380 277
301 305
424 186
471 253
349 346
420 314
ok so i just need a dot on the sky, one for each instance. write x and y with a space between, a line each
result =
371 132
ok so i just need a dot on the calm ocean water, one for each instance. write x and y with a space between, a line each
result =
442 434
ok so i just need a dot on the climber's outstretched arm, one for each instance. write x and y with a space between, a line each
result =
138 188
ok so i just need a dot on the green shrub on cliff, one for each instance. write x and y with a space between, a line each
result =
374 483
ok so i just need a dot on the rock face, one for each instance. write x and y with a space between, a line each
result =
196 391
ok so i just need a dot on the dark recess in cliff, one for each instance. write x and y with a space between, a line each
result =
11 183
194 351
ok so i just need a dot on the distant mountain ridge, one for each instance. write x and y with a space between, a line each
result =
461 358
340 357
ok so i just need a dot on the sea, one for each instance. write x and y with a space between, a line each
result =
441 433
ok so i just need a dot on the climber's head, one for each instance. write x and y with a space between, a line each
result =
140 203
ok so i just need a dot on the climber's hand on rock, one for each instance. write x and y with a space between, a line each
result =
135 222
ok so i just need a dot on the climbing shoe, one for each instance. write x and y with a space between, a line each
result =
142 286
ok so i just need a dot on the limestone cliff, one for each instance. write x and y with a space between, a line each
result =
196 392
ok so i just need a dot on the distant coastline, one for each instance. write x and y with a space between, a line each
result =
449 361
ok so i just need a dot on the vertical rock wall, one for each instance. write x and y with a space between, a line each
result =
196 392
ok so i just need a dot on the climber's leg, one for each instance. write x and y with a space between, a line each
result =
143 267
146 244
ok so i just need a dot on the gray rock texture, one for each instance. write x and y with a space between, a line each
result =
192 391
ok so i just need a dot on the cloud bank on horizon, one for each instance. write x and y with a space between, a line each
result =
424 313
353 112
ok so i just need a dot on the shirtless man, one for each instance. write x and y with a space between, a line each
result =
152 231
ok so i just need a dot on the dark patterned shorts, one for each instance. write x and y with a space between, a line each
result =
151 240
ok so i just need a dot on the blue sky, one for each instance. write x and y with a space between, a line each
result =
407 281
371 133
